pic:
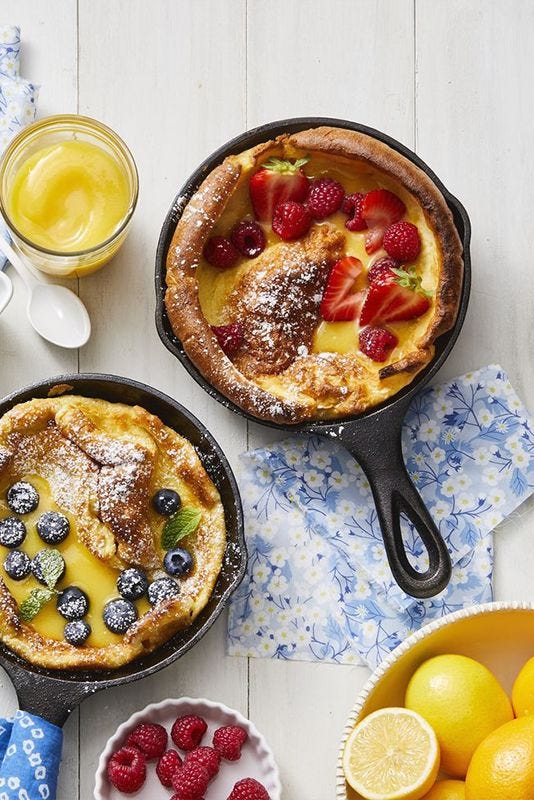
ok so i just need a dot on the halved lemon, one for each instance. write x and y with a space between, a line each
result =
393 754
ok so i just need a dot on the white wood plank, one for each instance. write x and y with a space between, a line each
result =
475 126
171 82
49 58
349 59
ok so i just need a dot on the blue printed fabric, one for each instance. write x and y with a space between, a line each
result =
318 585
30 765
18 97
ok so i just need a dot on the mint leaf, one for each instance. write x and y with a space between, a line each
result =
181 524
51 564
34 603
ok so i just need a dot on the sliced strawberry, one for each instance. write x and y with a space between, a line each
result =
380 209
340 302
277 182
390 302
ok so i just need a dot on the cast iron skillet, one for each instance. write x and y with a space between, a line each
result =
52 694
373 438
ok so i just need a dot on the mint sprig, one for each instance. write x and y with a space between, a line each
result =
180 525
51 564
35 601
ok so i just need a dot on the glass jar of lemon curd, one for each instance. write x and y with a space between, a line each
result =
68 190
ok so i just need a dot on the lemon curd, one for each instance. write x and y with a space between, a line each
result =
82 569
69 196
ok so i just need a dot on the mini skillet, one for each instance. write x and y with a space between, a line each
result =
374 437
53 694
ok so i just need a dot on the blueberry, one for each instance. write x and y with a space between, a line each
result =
12 532
132 583
119 614
53 527
162 589
22 498
178 562
17 565
77 632
166 502
72 603
37 569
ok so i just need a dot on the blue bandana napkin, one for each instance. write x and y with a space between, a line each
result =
18 97
318 586
30 754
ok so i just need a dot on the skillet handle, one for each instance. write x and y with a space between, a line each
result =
376 445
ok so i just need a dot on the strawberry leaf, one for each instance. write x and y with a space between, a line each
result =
285 167
180 525
410 280
35 601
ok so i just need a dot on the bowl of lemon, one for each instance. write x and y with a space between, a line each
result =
449 715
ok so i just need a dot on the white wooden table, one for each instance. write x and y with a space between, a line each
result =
177 78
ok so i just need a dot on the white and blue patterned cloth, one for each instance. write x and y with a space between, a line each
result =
18 97
318 585
30 754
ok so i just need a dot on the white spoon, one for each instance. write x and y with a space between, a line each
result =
56 313
6 290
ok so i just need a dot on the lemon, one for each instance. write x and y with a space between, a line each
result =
502 767
523 691
392 754
463 701
447 790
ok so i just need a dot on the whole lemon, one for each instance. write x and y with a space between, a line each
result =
463 701
502 767
447 790
523 691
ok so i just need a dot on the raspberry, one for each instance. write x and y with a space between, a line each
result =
208 757
169 763
190 781
229 337
248 238
126 769
352 206
150 739
229 741
187 732
381 272
220 252
248 789
291 220
401 241
377 343
325 197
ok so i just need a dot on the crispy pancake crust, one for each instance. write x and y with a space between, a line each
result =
300 395
103 462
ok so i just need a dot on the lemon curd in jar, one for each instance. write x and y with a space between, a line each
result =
68 190
68 196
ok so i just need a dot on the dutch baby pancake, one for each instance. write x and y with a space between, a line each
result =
309 277
112 534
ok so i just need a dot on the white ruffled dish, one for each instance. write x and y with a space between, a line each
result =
257 760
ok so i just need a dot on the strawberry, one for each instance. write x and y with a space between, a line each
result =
291 220
395 300
340 302
276 182
380 209
402 241
377 343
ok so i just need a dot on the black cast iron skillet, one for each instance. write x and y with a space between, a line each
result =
52 694
373 438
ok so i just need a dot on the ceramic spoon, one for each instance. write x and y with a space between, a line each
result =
56 313
6 290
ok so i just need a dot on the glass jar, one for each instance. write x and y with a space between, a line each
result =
45 134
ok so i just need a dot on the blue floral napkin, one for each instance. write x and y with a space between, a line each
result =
318 585
18 97
30 754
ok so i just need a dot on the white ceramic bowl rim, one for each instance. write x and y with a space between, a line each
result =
152 709
380 671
